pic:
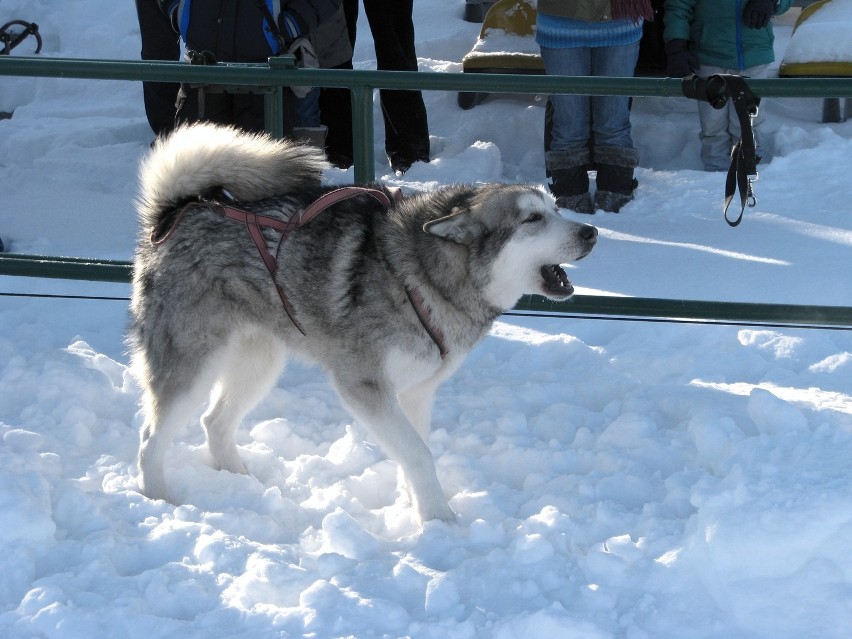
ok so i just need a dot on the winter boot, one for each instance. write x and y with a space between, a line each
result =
569 179
615 180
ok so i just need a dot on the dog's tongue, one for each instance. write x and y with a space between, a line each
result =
556 280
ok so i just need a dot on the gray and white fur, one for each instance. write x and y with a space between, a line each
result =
208 324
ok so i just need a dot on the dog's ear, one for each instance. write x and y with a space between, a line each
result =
459 226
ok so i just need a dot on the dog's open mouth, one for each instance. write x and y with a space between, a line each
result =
556 283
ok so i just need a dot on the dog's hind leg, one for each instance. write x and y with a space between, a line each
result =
248 368
166 412
376 407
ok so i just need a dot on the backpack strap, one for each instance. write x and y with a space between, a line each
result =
276 36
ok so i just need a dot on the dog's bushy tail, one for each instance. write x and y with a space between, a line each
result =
199 157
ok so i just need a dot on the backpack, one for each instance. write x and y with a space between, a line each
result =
240 32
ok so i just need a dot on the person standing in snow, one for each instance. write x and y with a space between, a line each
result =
330 41
709 37
403 111
600 38
159 42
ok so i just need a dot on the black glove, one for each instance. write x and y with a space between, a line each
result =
677 58
758 13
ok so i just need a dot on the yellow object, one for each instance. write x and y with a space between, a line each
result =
512 16
799 68
506 40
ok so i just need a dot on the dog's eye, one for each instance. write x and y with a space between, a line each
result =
535 217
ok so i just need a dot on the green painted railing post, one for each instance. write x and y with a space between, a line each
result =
281 72
362 135
273 103
273 112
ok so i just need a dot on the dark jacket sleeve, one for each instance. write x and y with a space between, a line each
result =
678 19
310 13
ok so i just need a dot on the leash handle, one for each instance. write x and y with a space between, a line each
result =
193 57
716 90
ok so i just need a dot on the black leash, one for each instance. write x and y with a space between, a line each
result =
193 57
11 40
716 90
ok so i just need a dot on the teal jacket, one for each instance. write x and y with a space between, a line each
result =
717 34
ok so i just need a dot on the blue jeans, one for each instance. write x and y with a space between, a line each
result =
576 117
307 109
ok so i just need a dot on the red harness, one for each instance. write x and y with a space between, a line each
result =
255 222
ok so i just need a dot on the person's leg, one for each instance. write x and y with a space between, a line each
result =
336 104
336 114
716 136
308 109
405 119
611 113
308 127
613 154
159 42
567 157
571 113
716 140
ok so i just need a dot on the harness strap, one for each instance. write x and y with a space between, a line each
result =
425 318
344 193
272 26
414 297
255 223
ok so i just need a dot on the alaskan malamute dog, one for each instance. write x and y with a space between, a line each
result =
236 269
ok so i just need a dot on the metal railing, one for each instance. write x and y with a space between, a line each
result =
281 72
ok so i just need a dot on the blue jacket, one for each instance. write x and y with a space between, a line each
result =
717 34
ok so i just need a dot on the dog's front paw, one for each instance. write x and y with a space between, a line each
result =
154 489
437 511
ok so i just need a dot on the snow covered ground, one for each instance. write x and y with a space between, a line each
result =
613 479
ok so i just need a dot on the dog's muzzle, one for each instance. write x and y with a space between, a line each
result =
555 280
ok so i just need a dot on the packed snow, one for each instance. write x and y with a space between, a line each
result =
612 479
823 36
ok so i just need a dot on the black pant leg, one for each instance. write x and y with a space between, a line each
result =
406 124
159 42
336 114
336 104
